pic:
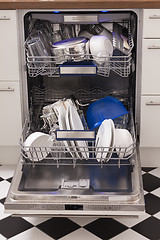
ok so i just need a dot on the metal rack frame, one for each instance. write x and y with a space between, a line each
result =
47 65
50 65
59 155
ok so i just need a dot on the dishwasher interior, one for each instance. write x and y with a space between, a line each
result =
75 172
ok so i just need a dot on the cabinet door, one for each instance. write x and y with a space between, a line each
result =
151 66
151 23
10 115
9 67
150 121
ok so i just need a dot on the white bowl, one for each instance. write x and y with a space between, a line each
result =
123 142
100 44
37 146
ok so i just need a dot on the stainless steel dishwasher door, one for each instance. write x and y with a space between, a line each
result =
119 194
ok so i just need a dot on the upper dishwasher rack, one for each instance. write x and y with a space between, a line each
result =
50 66
46 65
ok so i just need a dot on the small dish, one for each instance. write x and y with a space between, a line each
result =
123 143
100 43
37 146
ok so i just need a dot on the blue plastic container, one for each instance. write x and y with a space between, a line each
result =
105 108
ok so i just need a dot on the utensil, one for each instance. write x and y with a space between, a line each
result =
105 108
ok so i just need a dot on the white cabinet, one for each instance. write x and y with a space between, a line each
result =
9 65
151 66
150 121
10 120
10 103
151 23
150 89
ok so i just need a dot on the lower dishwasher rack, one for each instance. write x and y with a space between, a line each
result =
79 148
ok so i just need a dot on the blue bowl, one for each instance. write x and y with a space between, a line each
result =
105 108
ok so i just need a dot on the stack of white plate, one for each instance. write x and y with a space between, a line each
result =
69 119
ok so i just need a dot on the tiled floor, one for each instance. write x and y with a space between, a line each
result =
28 228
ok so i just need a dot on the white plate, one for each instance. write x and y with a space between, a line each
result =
76 124
123 142
68 125
112 140
37 146
62 113
103 140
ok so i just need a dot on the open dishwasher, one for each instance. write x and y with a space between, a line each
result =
74 172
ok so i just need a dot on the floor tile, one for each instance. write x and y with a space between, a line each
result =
149 228
7 171
145 192
130 222
9 179
147 169
157 215
156 172
12 226
80 234
152 203
150 182
129 235
2 238
4 187
58 227
2 200
36 220
2 214
105 228
82 221
31 234
156 192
